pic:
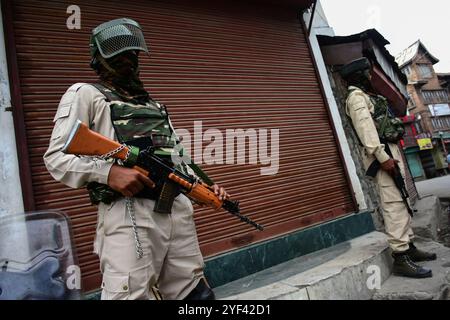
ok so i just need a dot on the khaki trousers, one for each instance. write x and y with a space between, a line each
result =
396 217
172 259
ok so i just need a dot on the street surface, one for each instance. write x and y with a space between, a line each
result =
439 187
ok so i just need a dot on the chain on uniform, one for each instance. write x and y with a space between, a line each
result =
116 151
129 203
130 209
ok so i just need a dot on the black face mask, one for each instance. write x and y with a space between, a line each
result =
360 79
125 64
125 77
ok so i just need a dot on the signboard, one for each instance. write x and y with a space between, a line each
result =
425 144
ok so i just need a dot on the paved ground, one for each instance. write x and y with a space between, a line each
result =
345 272
439 187
336 273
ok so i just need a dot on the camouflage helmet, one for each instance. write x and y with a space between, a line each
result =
116 36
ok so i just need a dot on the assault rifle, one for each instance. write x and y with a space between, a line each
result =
84 142
397 177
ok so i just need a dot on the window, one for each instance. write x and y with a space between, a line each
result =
409 138
407 70
441 123
438 110
418 127
410 131
425 71
434 96
411 101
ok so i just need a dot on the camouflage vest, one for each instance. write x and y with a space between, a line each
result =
141 125
390 128
140 122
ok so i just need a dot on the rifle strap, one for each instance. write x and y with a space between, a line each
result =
387 148
109 94
200 173
373 169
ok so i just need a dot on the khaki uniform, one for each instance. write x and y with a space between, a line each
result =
396 217
172 259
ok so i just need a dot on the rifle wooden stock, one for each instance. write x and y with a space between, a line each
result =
200 192
84 141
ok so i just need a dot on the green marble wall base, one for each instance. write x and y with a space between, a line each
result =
243 262
248 260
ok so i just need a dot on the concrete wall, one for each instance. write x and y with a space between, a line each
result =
10 189
368 186
321 27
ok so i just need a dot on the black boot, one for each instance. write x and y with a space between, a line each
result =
404 267
201 292
417 255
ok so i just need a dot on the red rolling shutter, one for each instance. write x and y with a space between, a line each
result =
233 66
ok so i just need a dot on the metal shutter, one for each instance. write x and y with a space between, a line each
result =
230 65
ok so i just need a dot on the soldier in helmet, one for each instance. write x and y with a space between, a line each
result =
379 133
143 254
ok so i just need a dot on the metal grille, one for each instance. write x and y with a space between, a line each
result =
232 65
116 39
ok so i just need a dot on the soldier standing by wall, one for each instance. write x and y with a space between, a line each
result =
139 249
379 132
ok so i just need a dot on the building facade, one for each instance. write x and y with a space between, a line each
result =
429 103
